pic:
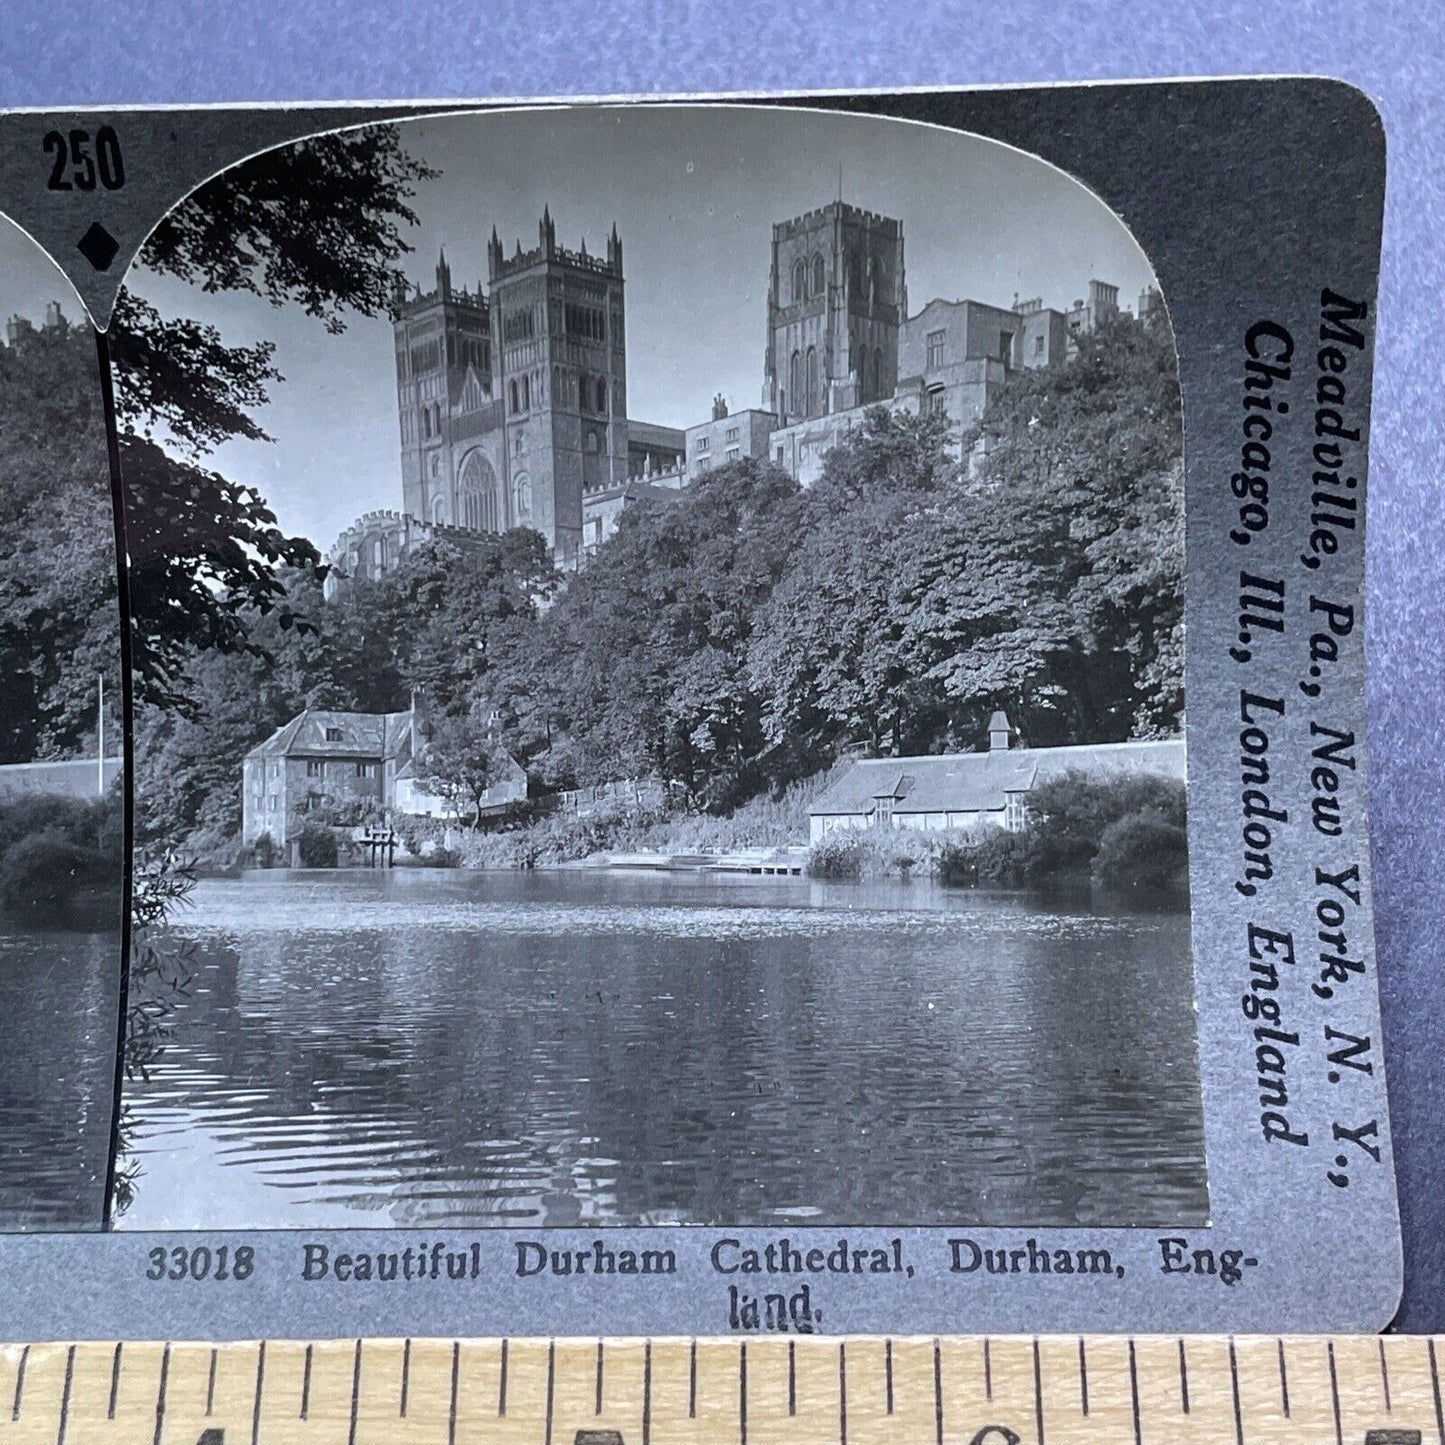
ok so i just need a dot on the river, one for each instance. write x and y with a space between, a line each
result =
58 1005
425 1047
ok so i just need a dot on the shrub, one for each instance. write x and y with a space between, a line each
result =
44 877
838 855
317 846
1144 849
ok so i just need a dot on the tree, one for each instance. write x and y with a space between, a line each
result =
59 619
317 224
460 761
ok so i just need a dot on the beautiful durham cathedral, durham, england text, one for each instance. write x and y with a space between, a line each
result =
513 403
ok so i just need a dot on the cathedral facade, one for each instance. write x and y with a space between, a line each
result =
513 405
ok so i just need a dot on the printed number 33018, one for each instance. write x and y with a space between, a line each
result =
202 1262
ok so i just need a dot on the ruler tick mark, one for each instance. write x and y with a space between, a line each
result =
211 1383
306 1385
161 1393
743 1394
114 1381
456 1375
1134 1393
405 1376
1283 1380
692 1377
792 1378
842 1393
551 1387
502 1385
938 1389
647 1393
1335 1393
1435 1386
1083 1379
1234 1386
1183 1379
1385 1376
355 1393
887 1373
987 1371
19 1383
260 1386
598 1409
1038 1393
65 1396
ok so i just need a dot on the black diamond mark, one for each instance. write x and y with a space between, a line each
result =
98 246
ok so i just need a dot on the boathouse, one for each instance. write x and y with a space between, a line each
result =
975 790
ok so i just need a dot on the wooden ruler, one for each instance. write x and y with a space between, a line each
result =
955 1390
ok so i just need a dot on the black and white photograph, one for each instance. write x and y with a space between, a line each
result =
61 809
657 639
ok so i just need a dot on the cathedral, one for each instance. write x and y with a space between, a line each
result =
512 403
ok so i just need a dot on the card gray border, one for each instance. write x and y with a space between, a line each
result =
1249 197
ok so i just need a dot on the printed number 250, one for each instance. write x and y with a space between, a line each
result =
200 1262
77 162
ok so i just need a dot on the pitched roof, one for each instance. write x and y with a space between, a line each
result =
363 735
981 782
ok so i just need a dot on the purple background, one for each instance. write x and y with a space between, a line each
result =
154 51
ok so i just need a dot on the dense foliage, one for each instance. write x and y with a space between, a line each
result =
317 225
59 623
60 861
1122 833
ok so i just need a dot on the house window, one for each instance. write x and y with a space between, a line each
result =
366 770
704 443
780 454
315 768
935 349
1039 344
883 810
333 735
732 434
732 454
1005 347
935 401
1015 813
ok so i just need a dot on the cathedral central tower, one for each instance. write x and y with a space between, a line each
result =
836 298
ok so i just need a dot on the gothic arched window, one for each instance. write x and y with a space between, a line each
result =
477 500
526 393
522 499
878 373
800 280
820 276
584 390
515 405
812 406
602 395
795 383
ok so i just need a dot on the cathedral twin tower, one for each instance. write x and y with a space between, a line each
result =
513 404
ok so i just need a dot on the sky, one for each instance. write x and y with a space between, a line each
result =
694 192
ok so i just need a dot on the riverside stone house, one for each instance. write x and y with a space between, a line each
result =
347 769
975 790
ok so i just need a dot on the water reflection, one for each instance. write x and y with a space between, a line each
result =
58 1000
422 1048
